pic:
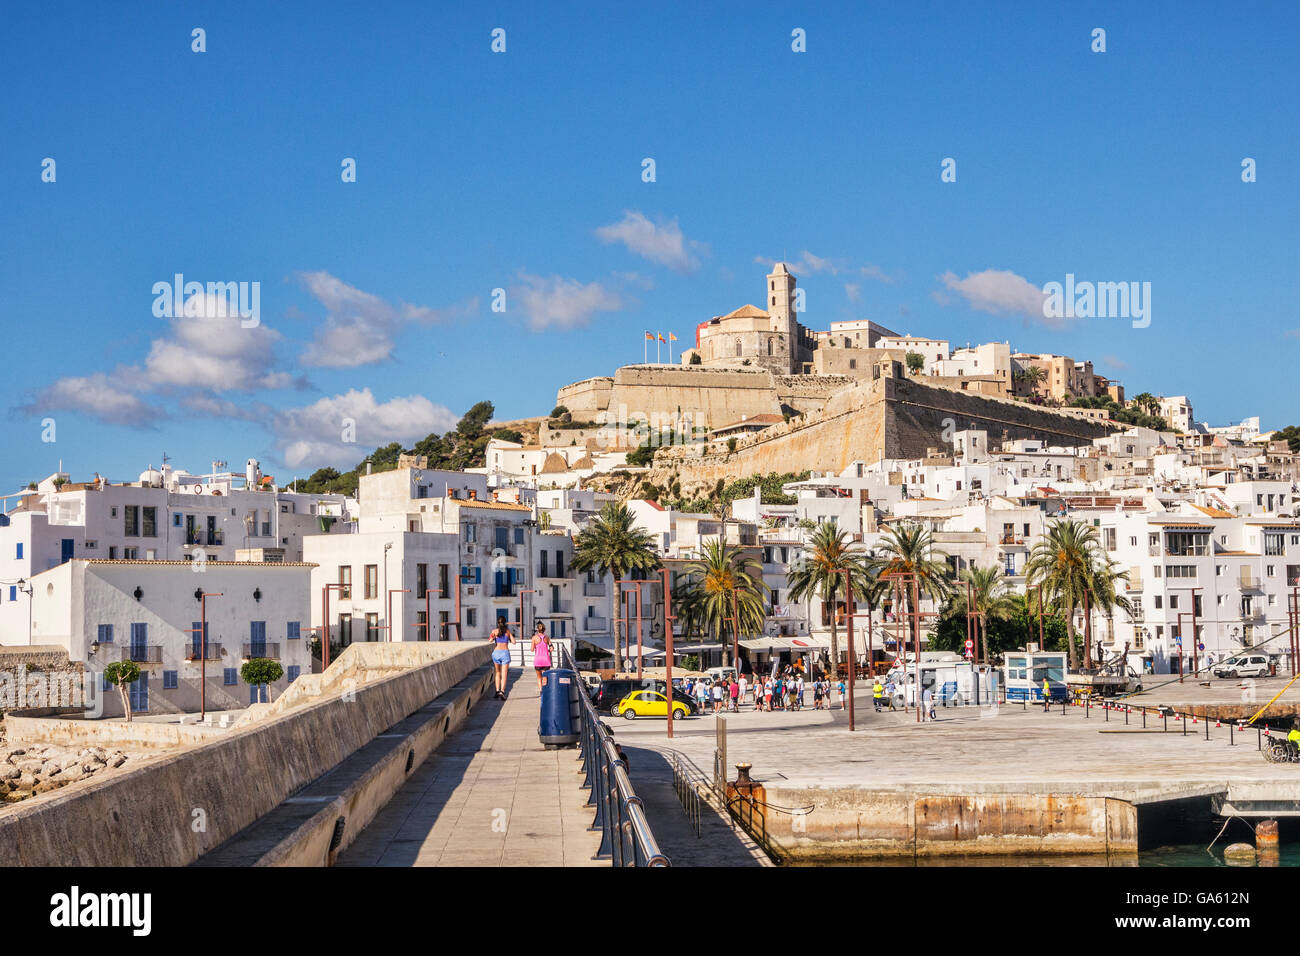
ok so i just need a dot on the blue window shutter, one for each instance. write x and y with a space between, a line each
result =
294 671
169 680
295 631
478 575
13 592
107 683
20 550
230 676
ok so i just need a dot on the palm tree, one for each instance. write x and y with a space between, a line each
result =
727 582
990 597
612 544
828 553
1033 376
1145 402
1068 561
908 549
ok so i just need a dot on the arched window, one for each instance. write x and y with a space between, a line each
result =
769 345
738 348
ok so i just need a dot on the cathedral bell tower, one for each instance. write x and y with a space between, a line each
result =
780 306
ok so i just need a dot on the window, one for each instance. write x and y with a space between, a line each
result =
112 552
542 570
1159 602
150 522
372 581
345 579
176 519
421 579
1187 543
1180 570
372 627
1269 570
502 538
345 629
519 535
1155 572
229 676
169 680
131 521
13 592
295 630
1173 602
421 626
471 617
1108 538
443 619
105 634
443 574
1274 544
471 533
20 550
293 672
130 554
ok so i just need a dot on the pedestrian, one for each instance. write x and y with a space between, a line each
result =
717 697
541 648
501 641
1047 695
929 702
891 689
767 694
877 694
799 685
702 694
843 696
817 695
740 696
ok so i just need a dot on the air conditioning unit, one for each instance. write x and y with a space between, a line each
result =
471 590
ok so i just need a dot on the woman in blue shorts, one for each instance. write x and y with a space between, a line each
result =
501 639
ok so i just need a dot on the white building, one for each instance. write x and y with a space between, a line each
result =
149 612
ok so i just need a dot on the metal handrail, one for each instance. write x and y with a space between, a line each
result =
625 832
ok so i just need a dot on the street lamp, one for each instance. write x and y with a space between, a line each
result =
622 587
668 643
203 647
459 578
26 587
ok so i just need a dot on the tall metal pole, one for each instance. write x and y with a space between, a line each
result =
638 627
916 637
203 650
1040 617
735 633
1195 656
848 607
522 592
668 644
388 626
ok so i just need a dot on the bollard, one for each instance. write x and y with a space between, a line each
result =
1207 730
1087 706
1105 706
1184 716
1230 735
1126 710
1144 718
1165 715
1266 842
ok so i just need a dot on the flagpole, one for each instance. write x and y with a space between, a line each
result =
658 341
645 352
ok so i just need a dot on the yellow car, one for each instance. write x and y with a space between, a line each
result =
649 703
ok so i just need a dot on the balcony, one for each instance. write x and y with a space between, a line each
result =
1013 539
268 650
593 589
213 649
1250 581
591 624
143 653
552 608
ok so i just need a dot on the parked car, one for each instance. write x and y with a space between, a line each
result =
607 696
649 703
1243 665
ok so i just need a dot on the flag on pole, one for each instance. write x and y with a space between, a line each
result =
671 339
645 349
649 336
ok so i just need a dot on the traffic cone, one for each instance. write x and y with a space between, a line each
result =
1193 718
1266 730
1217 725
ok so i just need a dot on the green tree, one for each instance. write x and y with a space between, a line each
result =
827 554
695 358
612 543
122 673
989 598
908 549
915 362
261 671
1069 563
728 583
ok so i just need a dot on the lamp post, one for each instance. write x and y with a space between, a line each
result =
26 588
522 592
1195 656
388 623
1181 615
203 596
668 644
325 619
853 658
1040 615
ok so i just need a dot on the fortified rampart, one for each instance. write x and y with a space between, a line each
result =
666 394
891 417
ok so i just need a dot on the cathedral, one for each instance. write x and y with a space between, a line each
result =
770 339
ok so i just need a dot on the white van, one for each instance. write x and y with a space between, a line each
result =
1243 665
718 673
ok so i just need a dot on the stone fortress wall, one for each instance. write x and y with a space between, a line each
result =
890 417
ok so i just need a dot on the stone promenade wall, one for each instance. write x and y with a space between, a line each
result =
179 805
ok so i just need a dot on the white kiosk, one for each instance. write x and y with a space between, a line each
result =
1025 671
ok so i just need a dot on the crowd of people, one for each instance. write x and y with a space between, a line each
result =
786 689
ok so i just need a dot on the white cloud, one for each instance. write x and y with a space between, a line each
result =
313 435
809 264
214 351
1115 362
562 303
359 327
853 291
109 398
662 243
998 291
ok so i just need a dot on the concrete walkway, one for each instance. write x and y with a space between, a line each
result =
492 795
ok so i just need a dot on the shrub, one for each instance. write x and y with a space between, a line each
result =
261 670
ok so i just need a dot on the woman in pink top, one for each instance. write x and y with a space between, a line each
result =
541 652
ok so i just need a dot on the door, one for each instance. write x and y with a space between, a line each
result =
139 693
65 553
257 639
256 693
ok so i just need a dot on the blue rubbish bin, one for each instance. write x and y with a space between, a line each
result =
560 722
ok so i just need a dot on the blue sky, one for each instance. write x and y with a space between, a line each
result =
522 170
